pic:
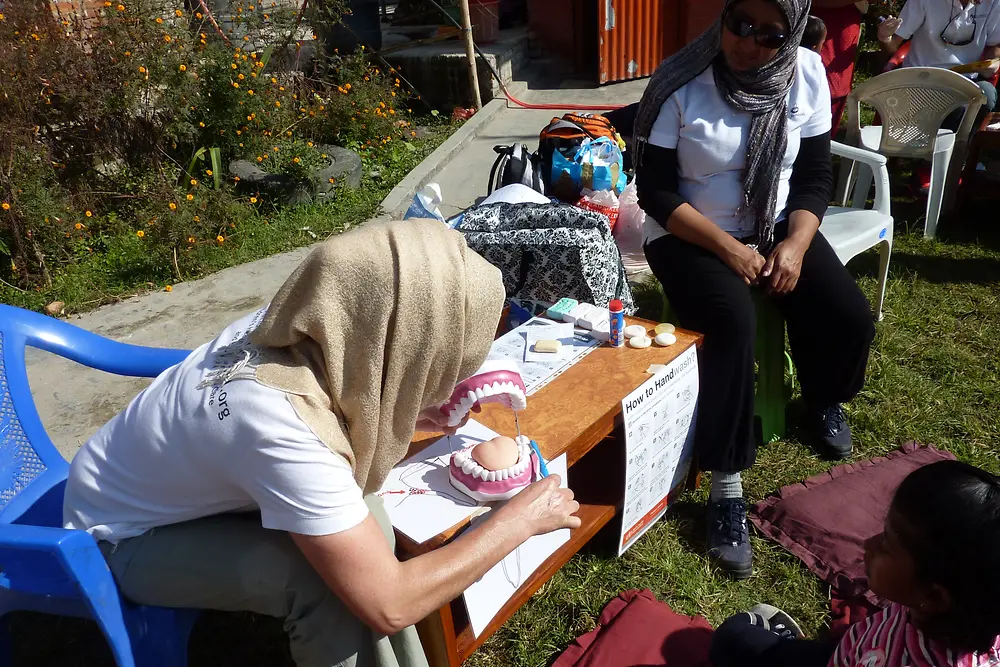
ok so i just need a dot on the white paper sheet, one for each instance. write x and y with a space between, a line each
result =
418 495
536 374
659 421
486 597
562 332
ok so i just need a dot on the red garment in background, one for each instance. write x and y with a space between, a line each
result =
840 52
637 630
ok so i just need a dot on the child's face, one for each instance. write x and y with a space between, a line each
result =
890 568
819 45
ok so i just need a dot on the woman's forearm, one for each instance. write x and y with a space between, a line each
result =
802 227
688 224
434 579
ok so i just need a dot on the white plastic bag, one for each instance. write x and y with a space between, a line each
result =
604 202
426 203
628 231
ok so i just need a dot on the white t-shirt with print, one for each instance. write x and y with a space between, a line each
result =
184 449
711 141
923 21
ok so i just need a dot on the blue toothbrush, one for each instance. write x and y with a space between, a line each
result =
542 468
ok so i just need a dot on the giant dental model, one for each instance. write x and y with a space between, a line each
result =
496 469
495 381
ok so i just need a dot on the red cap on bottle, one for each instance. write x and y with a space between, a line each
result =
616 305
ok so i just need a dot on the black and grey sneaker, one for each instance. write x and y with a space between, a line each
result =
729 538
776 621
829 432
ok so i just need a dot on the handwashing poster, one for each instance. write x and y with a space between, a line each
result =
659 420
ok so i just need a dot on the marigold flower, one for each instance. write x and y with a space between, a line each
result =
178 13
183 68
159 20
237 178
190 196
5 206
173 206
220 240
199 16
236 84
253 200
197 218
233 65
332 180
208 171
142 70
309 144
140 234
168 288
259 158
201 123
240 77
120 8
277 104
78 226
273 80
166 38
191 238
88 214
194 181
296 160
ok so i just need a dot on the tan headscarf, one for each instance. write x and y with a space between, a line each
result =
375 325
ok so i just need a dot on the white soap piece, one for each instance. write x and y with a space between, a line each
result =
640 342
552 346
634 330
655 368
665 339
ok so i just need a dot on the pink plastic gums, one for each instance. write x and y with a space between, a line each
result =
467 477
495 381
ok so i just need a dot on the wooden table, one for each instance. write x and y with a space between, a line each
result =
977 183
576 414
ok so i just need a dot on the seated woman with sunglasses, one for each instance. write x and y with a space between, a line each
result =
734 172
945 33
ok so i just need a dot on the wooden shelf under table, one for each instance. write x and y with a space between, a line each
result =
572 415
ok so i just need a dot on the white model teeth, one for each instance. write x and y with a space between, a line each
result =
492 476
468 466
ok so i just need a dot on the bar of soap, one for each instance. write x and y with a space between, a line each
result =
655 368
561 308
666 327
592 317
634 330
640 342
547 346
665 339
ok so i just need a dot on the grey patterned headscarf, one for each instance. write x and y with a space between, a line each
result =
762 93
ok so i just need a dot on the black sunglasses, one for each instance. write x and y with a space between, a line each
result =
975 26
766 36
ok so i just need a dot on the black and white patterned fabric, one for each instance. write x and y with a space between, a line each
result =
550 251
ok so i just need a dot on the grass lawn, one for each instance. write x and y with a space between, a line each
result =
933 377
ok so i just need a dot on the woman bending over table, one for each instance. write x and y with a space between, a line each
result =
244 478
733 168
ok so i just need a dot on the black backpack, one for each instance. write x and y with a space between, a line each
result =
514 164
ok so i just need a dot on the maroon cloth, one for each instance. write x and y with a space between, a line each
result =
637 630
840 52
845 612
826 519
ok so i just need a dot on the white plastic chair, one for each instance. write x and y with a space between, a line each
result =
851 231
912 103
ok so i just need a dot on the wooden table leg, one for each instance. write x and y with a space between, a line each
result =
437 635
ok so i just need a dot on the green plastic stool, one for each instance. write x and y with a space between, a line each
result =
772 391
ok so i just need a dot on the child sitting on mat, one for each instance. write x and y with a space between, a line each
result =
935 562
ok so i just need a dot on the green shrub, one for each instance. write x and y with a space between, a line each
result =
118 130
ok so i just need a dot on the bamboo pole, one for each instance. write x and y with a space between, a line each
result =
470 53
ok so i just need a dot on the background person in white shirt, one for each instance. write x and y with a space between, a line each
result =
945 33
244 478
734 172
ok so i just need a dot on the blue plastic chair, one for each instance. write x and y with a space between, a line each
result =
43 567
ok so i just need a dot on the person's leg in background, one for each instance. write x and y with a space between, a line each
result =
231 563
830 332
766 637
712 300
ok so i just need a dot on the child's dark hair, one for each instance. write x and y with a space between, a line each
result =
815 31
951 527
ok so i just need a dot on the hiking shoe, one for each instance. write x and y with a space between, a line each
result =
776 621
728 537
829 433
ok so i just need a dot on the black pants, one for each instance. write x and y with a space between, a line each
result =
830 330
738 643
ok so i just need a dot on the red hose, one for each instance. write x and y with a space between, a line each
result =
557 107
